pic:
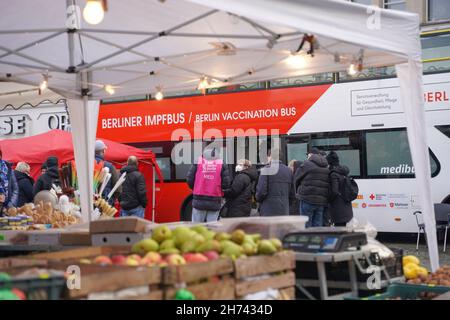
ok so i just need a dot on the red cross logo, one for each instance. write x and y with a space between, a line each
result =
372 197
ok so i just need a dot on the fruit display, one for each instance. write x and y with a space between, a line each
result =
184 245
41 214
440 278
412 268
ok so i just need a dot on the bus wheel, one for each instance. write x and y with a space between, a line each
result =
186 210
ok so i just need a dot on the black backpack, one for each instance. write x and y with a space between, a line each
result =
349 189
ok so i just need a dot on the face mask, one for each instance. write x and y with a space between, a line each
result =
239 167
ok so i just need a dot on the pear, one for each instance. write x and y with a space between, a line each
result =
232 250
161 233
167 244
277 243
225 243
169 251
209 245
238 236
209 235
249 249
189 246
266 247
248 239
144 246
183 235
199 229
222 236
256 237
199 239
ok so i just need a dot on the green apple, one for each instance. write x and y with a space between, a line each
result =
144 246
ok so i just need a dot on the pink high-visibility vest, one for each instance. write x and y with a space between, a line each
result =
208 178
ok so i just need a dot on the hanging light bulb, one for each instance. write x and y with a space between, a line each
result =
93 12
352 69
110 89
203 84
159 94
44 83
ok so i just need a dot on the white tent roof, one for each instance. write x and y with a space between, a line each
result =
144 44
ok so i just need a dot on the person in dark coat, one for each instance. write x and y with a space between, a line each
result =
208 178
294 203
239 195
274 188
8 184
340 211
25 183
49 178
133 198
312 184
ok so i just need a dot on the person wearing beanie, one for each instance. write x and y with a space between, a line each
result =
50 177
311 185
340 211
8 184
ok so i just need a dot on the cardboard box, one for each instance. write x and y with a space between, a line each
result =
117 239
119 225
76 238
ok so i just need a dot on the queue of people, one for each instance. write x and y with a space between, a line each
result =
316 188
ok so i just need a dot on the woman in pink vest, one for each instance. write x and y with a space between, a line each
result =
207 179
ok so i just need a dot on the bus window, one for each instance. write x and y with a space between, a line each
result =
341 141
388 155
296 151
445 130
351 159
164 166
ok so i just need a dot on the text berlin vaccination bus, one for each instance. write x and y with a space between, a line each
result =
362 121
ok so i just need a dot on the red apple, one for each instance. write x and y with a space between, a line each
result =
211 255
118 259
194 257
103 260
136 257
175 259
151 258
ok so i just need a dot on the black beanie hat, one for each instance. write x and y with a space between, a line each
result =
51 162
333 158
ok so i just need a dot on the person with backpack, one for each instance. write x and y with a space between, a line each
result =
311 184
239 195
208 178
342 192
49 178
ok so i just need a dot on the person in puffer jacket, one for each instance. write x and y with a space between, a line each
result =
49 178
207 179
312 187
239 195
133 198
341 211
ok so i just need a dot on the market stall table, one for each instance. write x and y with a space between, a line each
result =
321 259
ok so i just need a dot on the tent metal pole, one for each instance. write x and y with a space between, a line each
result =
126 49
25 56
32 44
24 65
261 27
154 195
32 31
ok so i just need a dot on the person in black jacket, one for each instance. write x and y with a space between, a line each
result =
133 198
208 178
25 182
312 183
239 195
49 178
274 188
341 211
294 203
8 185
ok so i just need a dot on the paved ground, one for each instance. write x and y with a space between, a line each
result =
408 244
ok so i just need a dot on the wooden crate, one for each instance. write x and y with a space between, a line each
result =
97 278
210 280
209 290
259 273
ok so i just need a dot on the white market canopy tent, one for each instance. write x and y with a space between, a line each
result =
173 44
15 95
